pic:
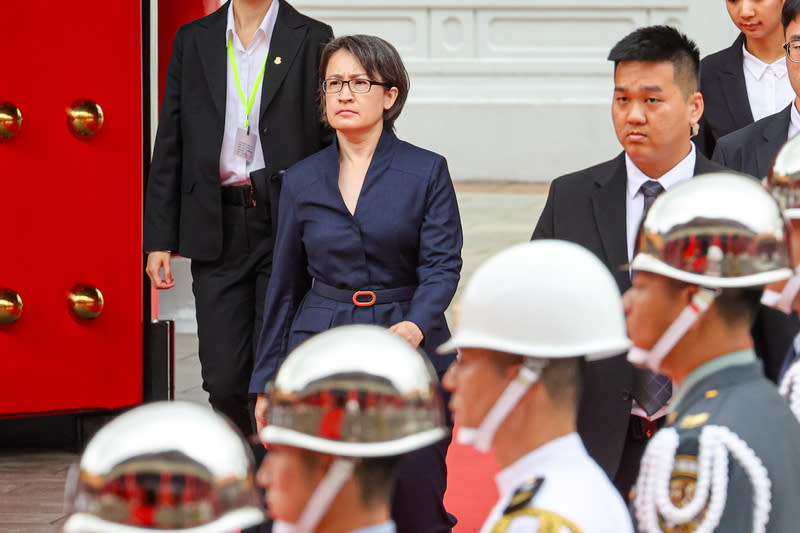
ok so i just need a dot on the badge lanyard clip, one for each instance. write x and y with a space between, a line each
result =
248 103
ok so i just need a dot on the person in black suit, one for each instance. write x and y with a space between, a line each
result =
746 81
215 176
752 148
656 106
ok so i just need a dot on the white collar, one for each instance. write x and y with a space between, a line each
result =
758 68
680 172
795 119
264 29
539 462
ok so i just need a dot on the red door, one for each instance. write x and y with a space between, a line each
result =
72 206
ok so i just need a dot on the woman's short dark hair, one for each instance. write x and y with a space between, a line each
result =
380 59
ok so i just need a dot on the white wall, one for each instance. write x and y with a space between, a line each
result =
515 89
507 89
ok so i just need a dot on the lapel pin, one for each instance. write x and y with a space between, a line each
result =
278 60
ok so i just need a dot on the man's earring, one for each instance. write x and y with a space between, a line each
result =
694 129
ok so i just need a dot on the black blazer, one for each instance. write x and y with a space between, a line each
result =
722 84
752 148
588 208
183 203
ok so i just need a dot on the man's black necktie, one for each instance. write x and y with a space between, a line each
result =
652 391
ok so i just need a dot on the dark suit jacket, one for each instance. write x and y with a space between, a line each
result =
405 232
724 91
588 208
752 148
183 204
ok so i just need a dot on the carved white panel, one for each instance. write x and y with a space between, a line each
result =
501 51
406 29
452 33
515 89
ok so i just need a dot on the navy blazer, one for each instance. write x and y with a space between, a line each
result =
406 231
727 107
752 148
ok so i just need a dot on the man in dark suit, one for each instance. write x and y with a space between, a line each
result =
656 106
751 149
223 137
746 81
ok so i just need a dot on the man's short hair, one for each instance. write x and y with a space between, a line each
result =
376 479
791 8
738 306
562 377
734 306
660 44
376 476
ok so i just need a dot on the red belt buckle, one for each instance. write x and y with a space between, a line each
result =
360 303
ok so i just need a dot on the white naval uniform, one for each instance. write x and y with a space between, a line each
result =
574 487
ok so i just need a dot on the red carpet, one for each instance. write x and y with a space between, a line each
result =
471 491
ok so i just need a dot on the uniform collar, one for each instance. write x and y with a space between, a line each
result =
680 172
539 462
386 527
742 357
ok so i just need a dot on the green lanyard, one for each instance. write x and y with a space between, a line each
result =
248 104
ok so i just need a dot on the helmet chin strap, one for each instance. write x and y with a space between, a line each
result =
340 471
783 300
652 358
481 437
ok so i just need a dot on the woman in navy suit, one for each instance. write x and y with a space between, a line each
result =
368 232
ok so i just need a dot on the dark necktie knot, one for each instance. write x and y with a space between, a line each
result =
650 189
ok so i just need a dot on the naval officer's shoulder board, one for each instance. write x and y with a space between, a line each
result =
522 505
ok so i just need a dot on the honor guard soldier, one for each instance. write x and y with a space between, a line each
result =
783 183
344 408
166 466
527 318
727 459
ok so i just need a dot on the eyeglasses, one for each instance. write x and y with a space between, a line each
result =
793 51
357 85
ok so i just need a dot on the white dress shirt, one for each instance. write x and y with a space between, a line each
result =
574 487
768 87
634 205
634 209
794 123
235 170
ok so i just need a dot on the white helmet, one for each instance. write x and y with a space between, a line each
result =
783 183
546 299
164 466
718 231
354 391
543 299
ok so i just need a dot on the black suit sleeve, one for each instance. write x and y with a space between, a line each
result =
162 198
773 333
721 155
545 226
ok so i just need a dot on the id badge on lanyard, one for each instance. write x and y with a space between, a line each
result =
244 145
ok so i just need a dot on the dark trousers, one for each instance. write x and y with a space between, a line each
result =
418 502
229 298
635 443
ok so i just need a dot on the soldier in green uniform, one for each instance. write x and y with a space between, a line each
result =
727 459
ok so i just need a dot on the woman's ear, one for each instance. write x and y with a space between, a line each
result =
389 98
